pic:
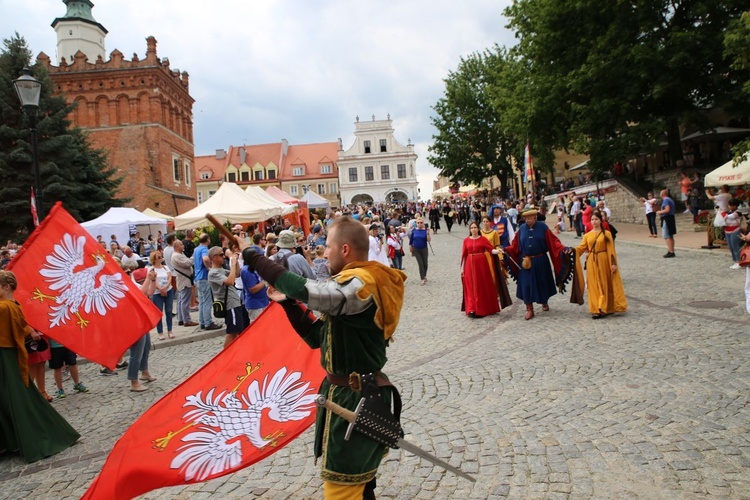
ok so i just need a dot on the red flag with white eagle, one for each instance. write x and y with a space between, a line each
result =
245 404
73 291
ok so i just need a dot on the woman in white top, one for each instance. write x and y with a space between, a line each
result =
378 251
649 204
395 243
163 296
721 199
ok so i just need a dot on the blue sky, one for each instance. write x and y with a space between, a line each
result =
301 70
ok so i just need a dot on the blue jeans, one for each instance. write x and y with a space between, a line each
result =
398 260
204 302
735 244
139 357
165 304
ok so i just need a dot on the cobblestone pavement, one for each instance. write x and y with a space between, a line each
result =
649 404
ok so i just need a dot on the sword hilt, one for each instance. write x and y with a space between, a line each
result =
348 415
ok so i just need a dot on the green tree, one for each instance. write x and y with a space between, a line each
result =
625 71
737 48
470 144
72 170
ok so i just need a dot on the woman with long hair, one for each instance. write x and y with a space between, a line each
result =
480 293
28 423
603 280
395 247
163 294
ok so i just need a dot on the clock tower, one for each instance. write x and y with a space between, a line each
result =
78 30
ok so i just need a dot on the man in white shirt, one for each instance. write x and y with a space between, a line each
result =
167 253
575 211
378 249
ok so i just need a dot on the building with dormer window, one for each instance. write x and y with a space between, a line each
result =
293 168
312 167
377 167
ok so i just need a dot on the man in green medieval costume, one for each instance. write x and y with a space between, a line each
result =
360 307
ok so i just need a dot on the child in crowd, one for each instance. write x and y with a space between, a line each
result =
560 226
320 263
61 355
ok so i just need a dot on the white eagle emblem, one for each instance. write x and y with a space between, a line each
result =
220 420
79 290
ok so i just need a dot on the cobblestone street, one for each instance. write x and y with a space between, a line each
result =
652 403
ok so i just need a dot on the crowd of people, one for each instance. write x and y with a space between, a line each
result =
349 256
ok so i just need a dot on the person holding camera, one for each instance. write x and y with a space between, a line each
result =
378 250
222 286
287 256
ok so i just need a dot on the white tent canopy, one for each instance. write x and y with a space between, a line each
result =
259 193
314 200
158 215
229 203
717 133
119 220
443 191
580 166
729 174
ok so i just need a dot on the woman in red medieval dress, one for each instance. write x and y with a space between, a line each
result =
480 292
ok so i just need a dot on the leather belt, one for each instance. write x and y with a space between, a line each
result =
354 382
535 256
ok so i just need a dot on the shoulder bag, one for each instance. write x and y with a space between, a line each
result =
219 307
745 256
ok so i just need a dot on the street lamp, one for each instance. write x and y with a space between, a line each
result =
29 90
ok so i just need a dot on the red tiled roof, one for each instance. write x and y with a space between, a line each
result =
210 164
312 156
258 153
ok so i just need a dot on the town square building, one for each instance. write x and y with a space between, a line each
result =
139 111
377 167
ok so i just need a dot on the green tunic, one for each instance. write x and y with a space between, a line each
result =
348 342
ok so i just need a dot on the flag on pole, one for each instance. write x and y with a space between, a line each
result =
528 166
34 213
247 403
73 291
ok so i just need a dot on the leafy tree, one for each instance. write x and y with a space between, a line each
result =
470 145
627 70
72 170
737 48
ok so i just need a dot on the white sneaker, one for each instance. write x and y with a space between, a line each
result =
735 266
686 212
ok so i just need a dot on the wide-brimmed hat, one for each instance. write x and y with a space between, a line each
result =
287 239
530 210
237 227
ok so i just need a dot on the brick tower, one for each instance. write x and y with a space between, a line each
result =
139 111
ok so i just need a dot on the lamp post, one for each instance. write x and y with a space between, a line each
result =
29 90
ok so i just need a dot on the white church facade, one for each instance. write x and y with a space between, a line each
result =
377 168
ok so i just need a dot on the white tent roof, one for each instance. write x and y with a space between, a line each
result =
467 189
717 133
443 191
158 215
314 200
729 175
259 193
229 203
118 220
580 166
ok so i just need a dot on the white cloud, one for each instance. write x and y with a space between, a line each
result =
294 69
